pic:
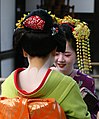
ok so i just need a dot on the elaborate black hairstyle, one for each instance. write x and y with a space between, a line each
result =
67 28
38 35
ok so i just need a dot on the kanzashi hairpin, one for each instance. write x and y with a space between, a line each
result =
54 30
34 22
19 24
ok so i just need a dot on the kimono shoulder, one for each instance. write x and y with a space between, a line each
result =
8 88
67 93
58 86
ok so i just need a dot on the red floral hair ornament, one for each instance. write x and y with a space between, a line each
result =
34 22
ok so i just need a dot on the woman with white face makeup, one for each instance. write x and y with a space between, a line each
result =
65 63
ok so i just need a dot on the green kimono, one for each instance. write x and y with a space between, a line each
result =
54 85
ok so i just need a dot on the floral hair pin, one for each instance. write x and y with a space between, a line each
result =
33 22
19 24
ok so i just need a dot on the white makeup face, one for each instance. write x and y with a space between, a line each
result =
65 61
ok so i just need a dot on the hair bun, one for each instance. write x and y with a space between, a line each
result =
43 20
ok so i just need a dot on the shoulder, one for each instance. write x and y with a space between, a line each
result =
66 79
84 76
8 82
10 78
85 80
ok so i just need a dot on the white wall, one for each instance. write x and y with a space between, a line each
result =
85 6
7 28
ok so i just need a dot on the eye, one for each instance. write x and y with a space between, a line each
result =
67 54
57 53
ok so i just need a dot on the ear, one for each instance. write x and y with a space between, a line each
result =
53 52
24 53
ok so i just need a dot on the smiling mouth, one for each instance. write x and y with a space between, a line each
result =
61 65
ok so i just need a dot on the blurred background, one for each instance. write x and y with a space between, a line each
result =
13 10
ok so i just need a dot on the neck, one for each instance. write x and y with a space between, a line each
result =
37 62
68 71
41 62
73 73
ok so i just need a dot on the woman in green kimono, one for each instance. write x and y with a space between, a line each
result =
38 38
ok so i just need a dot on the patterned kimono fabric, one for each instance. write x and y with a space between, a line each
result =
23 108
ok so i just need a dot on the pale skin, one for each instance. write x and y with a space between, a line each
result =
31 77
64 62
98 115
